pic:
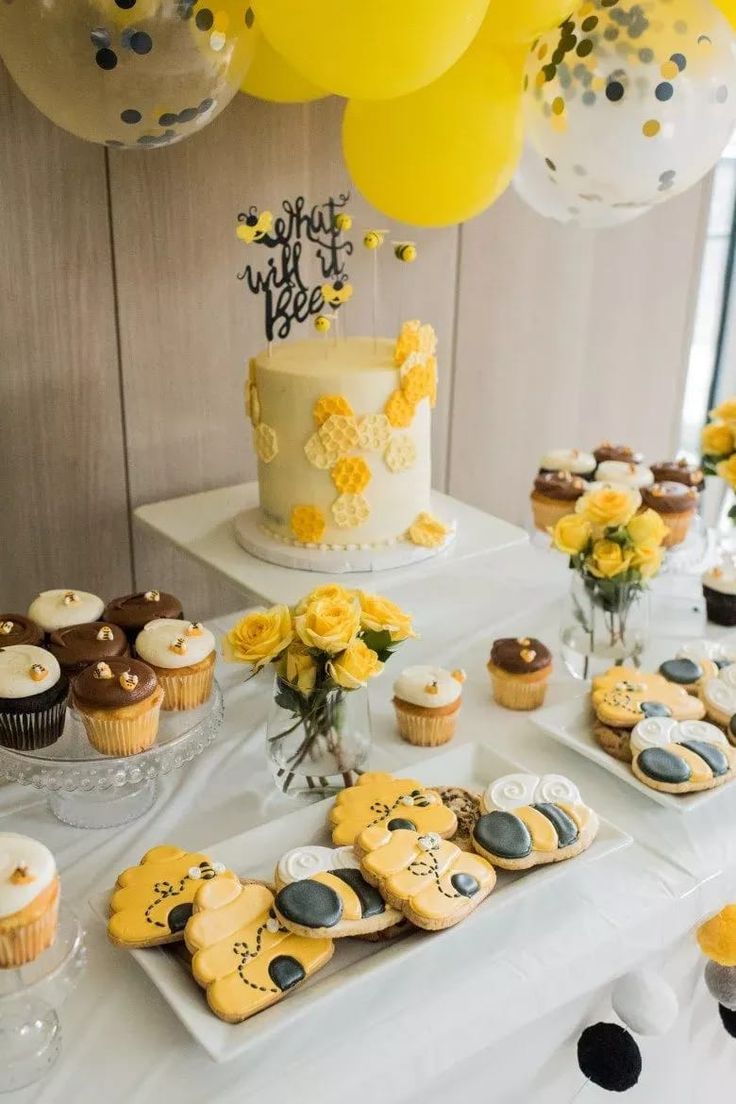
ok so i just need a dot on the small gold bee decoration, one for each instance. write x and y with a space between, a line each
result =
196 628
105 633
179 646
39 672
322 324
21 875
405 251
152 596
71 598
432 687
373 239
6 628
128 681
343 222
103 671
528 655
459 675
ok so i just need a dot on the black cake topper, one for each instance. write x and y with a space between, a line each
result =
287 296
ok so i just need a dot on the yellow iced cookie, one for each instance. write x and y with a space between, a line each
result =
430 880
623 696
153 901
242 955
392 802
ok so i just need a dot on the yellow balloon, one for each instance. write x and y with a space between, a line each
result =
371 49
141 74
728 7
271 78
445 153
520 21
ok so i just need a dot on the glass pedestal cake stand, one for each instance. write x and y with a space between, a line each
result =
30 1032
89 790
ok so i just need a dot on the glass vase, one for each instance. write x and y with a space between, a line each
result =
319 743
604 624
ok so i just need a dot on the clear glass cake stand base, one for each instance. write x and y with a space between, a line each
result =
30 997
89 790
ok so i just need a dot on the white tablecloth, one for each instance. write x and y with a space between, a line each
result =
507 1027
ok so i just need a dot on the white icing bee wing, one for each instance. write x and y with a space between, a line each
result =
700 730
653 732
511 792
554 788
720 694
727 675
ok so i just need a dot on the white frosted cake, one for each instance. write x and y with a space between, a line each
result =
342 430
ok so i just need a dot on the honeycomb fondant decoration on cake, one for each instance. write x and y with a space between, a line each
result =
395 802
308 524
331 404
681 756
339 434
153 901
414 338
533 821
418 379
241 955
351 475
623 696
430 880
428 531
350 510
401 453
398 410
266 442
334 904
317 454
374 432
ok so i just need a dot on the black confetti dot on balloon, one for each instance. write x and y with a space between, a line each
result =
558 56
526 81
206 105
167 119
721 94
609 3
680 26
664 91
590 23
550 164
728 1019
609 1057
106 59
646 55
130 115
125 4
680 61
550 72
584 48
141 43
250 17
187 114
157 139
204 19
614 91
589 98
704 40
610 34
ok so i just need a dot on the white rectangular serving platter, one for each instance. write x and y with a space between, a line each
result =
571 724
356 962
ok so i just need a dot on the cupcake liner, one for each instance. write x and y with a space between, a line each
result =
514 694
547 513
19 945
33 730
121 735
720 608
678 527
426 731
186 690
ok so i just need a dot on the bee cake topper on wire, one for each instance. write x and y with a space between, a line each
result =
290 293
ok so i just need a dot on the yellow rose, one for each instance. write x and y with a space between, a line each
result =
260 637
571 534
380 615
610 505
647 528
329 624
725 411
299 669
717 440
647 558
727 470
355 666
329 590
608 559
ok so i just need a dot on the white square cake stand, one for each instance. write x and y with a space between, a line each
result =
202 526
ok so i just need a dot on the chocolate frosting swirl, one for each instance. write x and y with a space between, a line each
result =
520 655
78 646
22 630
607 451
108 693
133 611
669 498
559 485
679 471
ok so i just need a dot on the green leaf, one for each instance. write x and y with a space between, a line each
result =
379 642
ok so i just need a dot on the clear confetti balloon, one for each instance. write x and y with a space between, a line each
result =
128 73
537 185
631 103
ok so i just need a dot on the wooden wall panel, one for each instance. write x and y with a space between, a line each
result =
567 338
64 505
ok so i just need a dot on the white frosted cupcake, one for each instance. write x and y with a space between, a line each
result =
59 609
29 899
427 701
182 653
629 475
33 696
573 461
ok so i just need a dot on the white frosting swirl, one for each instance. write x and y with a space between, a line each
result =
722 578
27 868
430 687
658 731
568 460
619 471
697 650
58 609
17 663
514 790
159 643
304 862
719 695
556 787
727 675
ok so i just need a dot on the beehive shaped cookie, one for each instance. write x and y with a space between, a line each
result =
393 802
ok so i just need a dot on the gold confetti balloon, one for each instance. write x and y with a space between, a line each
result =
133 74
630 103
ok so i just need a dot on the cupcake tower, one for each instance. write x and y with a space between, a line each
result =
119 665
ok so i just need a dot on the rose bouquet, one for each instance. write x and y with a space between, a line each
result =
328 646
614 548
718 444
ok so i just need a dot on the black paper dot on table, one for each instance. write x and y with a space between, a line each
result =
728 1019
609 1057
106 59
204 19
130 115
141 42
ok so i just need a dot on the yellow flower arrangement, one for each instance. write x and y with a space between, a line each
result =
717 439
379 615
727 471
609 505
328 624
610 542
572 534
647 528
725 411
299 668
608 559
718 445
353 667
260 637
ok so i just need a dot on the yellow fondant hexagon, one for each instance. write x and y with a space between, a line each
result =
308 524
374 432
401 454
266 442
339 434
330 404
419 380
255 406
399 411
352 474
427 531
414 338
350 510
317 454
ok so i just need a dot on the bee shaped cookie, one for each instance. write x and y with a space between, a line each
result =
681 757
718 695
351 907
428 879
152 902
623 696
395 803
241 955
532 821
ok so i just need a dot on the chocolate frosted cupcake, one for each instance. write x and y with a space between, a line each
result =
182 655
132 612
719 591
679 471
15 628
81 645
574 461
33 695
607 451
519 668
119 701
554 495
57 609
676 504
